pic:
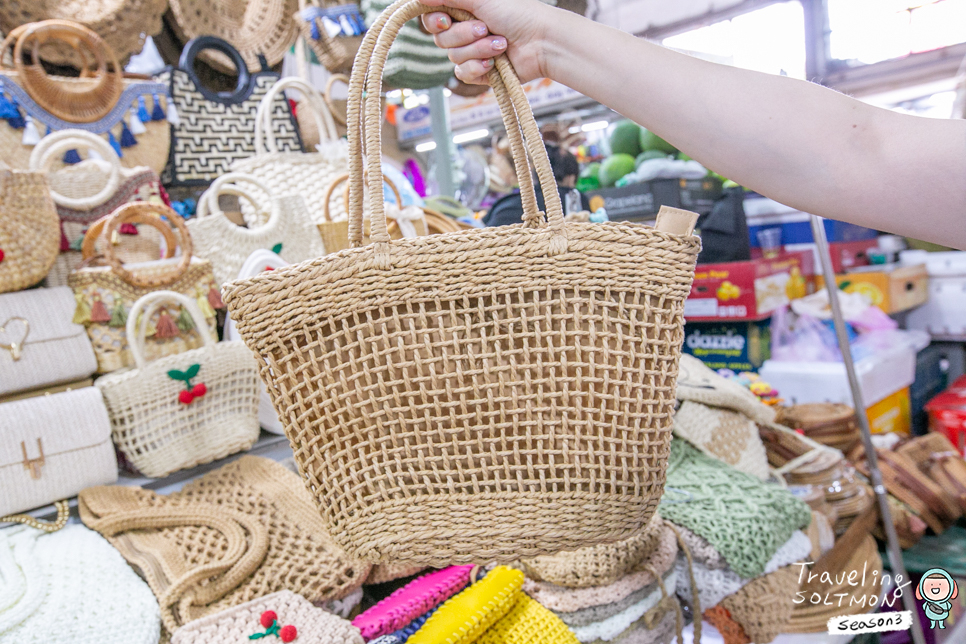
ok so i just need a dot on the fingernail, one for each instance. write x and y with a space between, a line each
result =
442 22
458 71
487 63
499 44
480 29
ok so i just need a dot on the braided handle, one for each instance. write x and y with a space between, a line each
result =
342 178
127 213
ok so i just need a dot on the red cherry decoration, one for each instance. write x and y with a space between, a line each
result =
198 391
186 397
1 255
288 633
268 618
269 268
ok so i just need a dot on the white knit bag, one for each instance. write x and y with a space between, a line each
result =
306 174
289 230
52 447
71 586
256 263
184 409
40 345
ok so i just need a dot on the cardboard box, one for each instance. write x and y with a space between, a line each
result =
845 255
641 201
750 290
891 414
892 288
739 346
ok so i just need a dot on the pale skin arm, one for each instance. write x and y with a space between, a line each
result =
796 142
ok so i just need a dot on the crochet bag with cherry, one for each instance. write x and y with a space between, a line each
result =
191 392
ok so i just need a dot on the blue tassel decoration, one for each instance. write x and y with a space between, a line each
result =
158 113
127 139
16 122
114 143
7 110
143 115
71 157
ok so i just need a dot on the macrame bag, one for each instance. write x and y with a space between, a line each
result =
90 190
236 534
40 462
214 129
105 294
185 409
306 174
132 114
288 231
29 235
507 391
71 586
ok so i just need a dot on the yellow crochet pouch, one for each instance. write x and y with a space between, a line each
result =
529 623
462 619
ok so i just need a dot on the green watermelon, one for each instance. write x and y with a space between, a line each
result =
647 156
591 170
615 167
651 141
626 138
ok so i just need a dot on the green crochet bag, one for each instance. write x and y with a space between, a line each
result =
745 519
414 62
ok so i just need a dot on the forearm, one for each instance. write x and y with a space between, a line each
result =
796 142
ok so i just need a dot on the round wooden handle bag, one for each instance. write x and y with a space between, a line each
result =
481 395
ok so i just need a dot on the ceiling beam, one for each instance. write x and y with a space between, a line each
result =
914 69
702 20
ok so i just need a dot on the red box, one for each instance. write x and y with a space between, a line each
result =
845 255
751 290
947 414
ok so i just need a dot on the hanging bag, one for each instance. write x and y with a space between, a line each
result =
214 129
289 230
106 294
507 392
132 114
29 235
186 409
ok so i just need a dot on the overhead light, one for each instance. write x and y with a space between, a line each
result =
471 136
423 99
447 93
596 125
411 102
574 129
426 147
393 94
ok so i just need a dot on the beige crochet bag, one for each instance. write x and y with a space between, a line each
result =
236 534
297 173
507 392
238 624
29 229
185 409
288 232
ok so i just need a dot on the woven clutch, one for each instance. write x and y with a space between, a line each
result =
412 600
528 623
240 623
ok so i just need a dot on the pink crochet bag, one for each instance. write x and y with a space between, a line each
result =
417 597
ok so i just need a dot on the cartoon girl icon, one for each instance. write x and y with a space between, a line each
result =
936 590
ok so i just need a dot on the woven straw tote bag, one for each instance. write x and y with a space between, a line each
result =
335 53
29 235
239 624
239 533
105 294
186 409
305 174
289 230
132 114
483 395
71 586
40 463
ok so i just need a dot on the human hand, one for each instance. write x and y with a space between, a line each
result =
514 27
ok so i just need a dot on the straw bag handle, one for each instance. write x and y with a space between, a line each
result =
314 101
53 146
402 12
74 106
327 96
342 178
124 214
93 234
149 304
227 184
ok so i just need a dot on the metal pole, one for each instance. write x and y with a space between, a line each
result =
893 549
443 135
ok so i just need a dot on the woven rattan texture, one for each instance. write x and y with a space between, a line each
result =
528 623
611 627
597 565
765 605
741 517
560 599
237 624
381 573
298 555
29 236
645 631
586 616
730 630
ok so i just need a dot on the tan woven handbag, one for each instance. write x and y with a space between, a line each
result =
186 409
335 233
29 229
105 294
289 230
485 395
236 534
